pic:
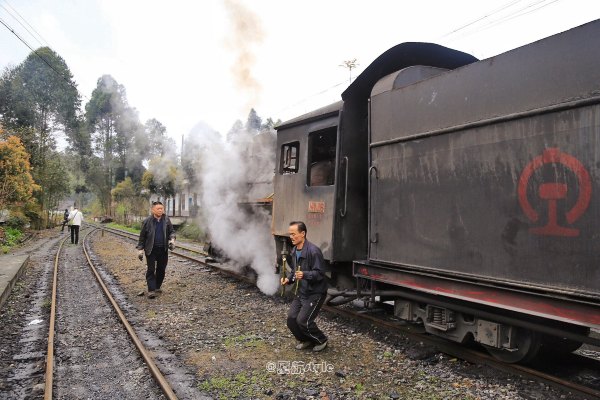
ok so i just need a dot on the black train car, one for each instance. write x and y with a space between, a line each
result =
476 203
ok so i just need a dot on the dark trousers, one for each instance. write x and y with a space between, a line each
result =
63 225
75 234
302 315
157 264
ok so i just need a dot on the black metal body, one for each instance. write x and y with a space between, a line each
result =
470 180
336 215
488 174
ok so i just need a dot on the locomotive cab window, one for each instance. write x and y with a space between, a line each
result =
321 153
289 158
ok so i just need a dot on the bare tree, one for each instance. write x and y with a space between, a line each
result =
350 64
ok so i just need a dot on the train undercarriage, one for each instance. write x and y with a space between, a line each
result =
508 335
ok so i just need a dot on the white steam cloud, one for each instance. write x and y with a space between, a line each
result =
233 173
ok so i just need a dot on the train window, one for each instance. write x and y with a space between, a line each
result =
321 157
289 158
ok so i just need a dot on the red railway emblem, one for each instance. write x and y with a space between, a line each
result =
554 191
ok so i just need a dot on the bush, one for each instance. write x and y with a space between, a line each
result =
17 221
137 226
191 231
9 237
33 212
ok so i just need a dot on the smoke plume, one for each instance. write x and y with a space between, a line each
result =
245 35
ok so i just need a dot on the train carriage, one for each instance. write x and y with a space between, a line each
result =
465 191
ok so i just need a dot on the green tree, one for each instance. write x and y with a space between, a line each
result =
236 130
126 196
152 141
270 124
80 142
162 177
112 125
199 141
55 182
39 99
254 122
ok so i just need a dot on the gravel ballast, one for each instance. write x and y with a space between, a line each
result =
236 340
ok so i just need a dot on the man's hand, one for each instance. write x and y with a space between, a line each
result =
299 275
141 255
172 244
284 281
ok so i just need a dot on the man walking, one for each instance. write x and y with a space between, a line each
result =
156 237
76 218
65 220
308 273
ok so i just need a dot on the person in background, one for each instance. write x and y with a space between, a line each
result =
156 237
308 269
65 220
75 218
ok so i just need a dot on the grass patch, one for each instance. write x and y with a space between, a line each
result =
123 227
47 304
236 386
243 341
359 389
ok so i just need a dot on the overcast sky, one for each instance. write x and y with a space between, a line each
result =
183 62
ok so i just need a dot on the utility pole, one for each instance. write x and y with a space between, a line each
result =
350 64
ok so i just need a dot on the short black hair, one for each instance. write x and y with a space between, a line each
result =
157 202
301 226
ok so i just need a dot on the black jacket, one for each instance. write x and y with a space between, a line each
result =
313 266
146 240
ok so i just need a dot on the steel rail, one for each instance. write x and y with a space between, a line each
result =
154 370
50 352
444 345
134 236
465 353
129 235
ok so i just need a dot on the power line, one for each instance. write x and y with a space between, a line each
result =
520 13
539 4
37 54
25 21
310 97
511 15
503 7
37 33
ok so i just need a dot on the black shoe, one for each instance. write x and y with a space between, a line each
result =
320 347
303 345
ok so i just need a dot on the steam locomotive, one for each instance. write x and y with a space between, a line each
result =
463 191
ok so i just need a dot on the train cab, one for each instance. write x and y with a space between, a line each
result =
305 177
320 178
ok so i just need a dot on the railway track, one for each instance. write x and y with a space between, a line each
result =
67 266
386 322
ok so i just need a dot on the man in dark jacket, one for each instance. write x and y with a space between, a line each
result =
156 237
308 275
65 219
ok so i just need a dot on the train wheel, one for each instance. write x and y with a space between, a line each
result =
558 347
527 345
